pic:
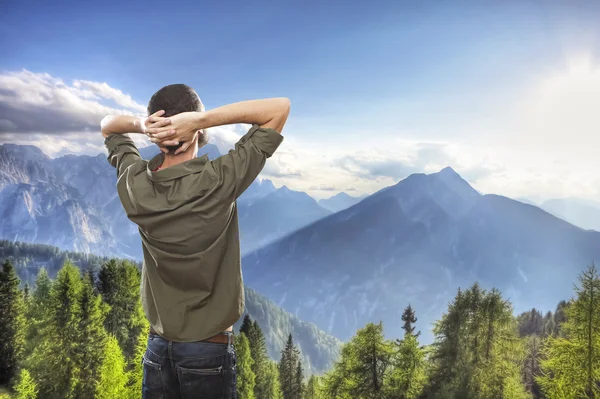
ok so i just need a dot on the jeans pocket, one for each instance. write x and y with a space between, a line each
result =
152 382
202 382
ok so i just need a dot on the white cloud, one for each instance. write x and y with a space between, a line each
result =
546 149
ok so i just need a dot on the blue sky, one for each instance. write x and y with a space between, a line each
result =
444 79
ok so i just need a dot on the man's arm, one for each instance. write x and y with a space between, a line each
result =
237 169
270 113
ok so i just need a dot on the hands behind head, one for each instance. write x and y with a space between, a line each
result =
179 128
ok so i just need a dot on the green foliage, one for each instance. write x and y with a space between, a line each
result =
245 375
571 361
25 388
119 285
12 323
364 366
408 377
409 319
477 352
91 340
113 376
290 371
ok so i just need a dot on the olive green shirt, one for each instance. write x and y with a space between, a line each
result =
187 217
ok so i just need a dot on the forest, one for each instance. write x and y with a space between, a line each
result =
82 335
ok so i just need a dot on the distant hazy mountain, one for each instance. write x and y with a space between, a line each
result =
266 218
71 202
417 242
582 213
339 202
319 350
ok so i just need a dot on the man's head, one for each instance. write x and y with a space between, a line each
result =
175 99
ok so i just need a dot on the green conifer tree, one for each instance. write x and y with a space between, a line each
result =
113 374
571 361
12 323
91 340
25 388
245 375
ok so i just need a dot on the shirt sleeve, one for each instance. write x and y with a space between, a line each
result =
122 152
237 169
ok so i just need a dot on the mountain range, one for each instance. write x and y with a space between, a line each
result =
75 195
415 243
340 201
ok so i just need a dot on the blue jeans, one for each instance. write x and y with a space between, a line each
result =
185 370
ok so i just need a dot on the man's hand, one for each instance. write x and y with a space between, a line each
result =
185 125
156 122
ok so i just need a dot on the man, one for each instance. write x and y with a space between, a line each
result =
184 205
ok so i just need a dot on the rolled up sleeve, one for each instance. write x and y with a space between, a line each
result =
238 169
122 152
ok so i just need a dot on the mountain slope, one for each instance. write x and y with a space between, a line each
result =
319 350
585 214
339 202
417 242
71 202
281 212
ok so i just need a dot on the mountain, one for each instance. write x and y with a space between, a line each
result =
582 213
265 219
415 243
339 202
71 202
319 350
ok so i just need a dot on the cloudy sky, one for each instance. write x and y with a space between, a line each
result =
504 92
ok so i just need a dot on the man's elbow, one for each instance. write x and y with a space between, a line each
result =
105 125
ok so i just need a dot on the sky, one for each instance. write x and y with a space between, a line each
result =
505 92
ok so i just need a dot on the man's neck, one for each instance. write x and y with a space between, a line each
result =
170 160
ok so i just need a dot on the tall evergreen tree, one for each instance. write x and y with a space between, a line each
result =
53 362
364 366
272 381
119 283
38 312
299 386
477 352
571 360
25 388
113 374
409 319
313 388
12 323
245 375
408 378
288 369
91 342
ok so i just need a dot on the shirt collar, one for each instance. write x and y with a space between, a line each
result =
194 165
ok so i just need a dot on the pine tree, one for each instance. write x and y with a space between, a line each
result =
363 368
37 313
12 323
477 352
91 344
113 375
409 319
571 360
136 369
245 375
246 325
288 369
53 362
313 388
118 283
272 381
408 378
25 388
258 351
299 386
